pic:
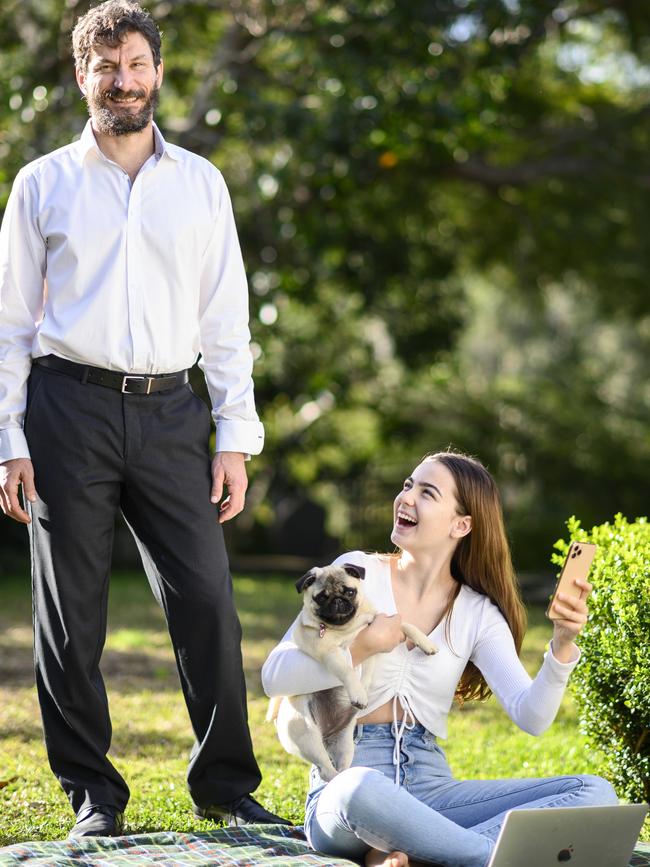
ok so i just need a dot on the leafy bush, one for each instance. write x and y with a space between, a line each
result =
612 681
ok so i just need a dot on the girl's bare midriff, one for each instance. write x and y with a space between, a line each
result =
383 714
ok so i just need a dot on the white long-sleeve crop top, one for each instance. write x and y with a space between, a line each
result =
425 685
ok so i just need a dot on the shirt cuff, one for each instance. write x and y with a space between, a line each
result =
562 666
234 435
13 444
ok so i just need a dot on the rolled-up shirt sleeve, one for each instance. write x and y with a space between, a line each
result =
23 255
226 358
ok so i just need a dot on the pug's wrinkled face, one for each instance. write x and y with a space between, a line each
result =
332 592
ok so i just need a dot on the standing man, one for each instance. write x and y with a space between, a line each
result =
119 264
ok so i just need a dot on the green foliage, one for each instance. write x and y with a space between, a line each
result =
612 681
443 212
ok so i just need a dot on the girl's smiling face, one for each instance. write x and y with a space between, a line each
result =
426 513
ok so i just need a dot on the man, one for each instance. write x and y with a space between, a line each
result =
119 264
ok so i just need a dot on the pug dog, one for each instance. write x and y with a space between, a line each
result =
319 726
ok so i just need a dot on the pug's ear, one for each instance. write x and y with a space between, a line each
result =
306 581
355 571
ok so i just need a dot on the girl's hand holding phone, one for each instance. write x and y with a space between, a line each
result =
569 614
568 608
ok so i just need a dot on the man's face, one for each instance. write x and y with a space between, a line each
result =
121 85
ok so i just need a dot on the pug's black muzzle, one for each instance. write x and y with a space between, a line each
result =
336 611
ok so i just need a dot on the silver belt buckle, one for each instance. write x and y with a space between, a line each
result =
141 378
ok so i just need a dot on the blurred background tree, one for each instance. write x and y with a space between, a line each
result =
443 207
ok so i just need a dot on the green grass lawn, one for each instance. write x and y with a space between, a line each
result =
151 731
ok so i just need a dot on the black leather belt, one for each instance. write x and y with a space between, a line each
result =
127 383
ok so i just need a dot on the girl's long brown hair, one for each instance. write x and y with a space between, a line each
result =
482 558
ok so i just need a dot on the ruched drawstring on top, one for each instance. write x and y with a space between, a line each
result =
398 728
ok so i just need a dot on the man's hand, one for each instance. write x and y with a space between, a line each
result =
229 469
14 473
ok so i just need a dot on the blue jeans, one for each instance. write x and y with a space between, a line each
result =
430 816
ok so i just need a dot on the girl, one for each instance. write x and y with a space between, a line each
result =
452 577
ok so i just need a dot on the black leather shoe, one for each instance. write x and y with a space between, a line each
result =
101 821
245 811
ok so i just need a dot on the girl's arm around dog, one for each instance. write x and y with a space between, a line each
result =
289 671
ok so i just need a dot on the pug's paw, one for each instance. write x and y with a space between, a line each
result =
327 773
428 647
358 698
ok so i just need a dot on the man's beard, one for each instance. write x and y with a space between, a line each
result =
107 122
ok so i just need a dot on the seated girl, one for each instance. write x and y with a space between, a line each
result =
452 576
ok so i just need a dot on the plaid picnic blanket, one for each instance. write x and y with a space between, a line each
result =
275 845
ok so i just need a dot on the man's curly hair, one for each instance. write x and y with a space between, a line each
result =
108 24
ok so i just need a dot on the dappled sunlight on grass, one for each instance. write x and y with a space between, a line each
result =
136 639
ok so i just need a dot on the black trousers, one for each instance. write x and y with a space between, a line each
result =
96 451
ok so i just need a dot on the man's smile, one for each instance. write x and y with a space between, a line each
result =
124 98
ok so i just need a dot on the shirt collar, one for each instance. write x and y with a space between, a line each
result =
161 146
88 142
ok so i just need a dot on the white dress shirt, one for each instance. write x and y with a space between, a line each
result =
137 277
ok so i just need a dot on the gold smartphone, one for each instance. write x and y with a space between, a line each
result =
577 564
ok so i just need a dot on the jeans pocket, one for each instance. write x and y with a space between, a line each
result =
429 739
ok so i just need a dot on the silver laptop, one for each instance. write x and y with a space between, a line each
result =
577 836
